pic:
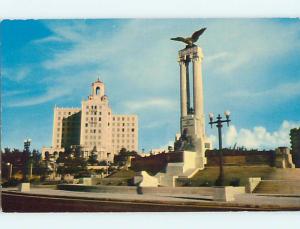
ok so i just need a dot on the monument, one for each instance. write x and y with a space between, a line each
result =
192 122
192 143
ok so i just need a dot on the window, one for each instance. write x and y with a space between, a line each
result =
97 90
123 124
108 124
122 118
95 107
99 118
86 125
132 130
122 129
87 107
94 130
108 113
114 119
99 113
69 113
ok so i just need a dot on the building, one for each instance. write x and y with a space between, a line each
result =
93 127
295 145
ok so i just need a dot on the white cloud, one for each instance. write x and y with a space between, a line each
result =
65 87
16 74
259 137
152 103
278 93
49 39
51 94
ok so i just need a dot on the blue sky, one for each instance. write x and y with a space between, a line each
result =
251 67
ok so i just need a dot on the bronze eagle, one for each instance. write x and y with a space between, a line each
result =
190 40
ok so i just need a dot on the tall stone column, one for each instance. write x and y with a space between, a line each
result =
197 84
188 93
183 92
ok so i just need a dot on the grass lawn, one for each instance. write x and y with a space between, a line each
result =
232 175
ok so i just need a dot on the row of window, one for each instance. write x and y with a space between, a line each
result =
123 124
123 129
122 118
122 135
94 107
92 137
68 129
123 141
67 113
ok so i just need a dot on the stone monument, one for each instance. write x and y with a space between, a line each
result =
192 142
192 122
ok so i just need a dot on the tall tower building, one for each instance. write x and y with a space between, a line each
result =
95 133
295 145
93 127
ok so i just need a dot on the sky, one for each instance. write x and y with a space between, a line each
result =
251 67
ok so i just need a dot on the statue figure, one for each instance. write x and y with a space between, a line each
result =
190 40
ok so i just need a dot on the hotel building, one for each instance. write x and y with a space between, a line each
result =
93 127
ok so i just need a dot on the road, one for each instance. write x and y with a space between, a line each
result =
13 201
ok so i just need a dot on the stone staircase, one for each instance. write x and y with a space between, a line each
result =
282 181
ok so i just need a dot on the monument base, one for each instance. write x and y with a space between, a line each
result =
192 163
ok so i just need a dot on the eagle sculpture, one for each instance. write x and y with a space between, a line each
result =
190 40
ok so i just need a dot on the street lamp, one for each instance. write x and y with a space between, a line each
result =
27 150
219 121
10 167
27 144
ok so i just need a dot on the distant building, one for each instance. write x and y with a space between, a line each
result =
295 144
93 127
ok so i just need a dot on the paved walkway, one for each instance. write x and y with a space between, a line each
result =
242 200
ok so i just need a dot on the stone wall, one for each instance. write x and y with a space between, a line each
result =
155 163
241 157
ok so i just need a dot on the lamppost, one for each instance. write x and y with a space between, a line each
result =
27 144
10 167
27 150
219 121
